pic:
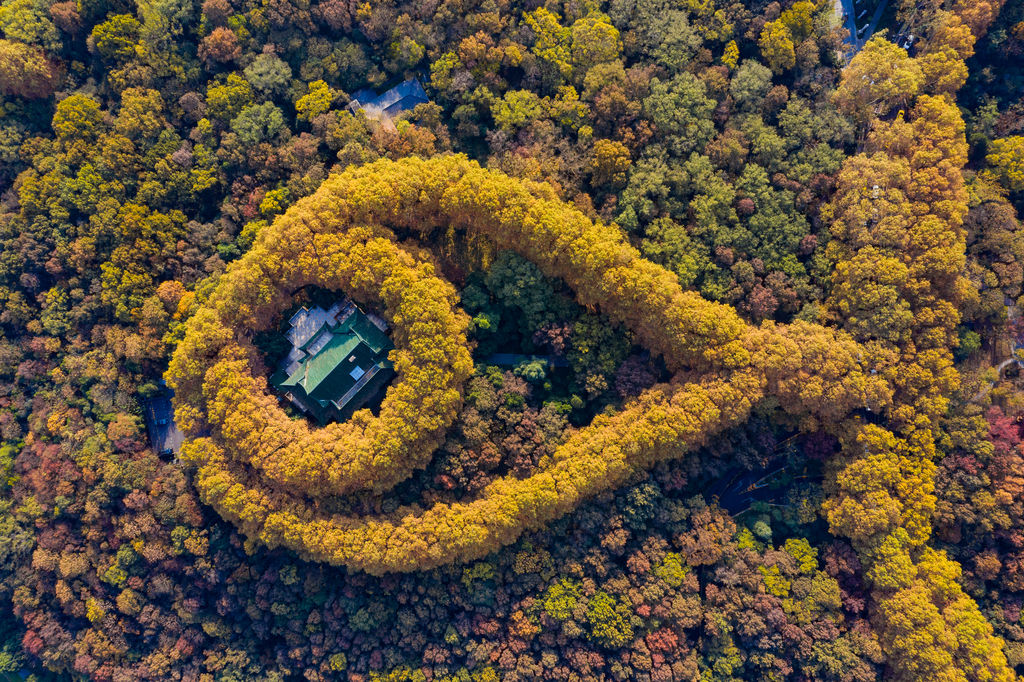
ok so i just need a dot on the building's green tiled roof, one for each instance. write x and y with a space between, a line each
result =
356 346
371 335
360 325
330 373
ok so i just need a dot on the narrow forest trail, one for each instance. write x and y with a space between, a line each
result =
999 370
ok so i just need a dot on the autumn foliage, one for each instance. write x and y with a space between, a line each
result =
707 341
255 454
899 248
218 389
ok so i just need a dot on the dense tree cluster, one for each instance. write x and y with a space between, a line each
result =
808 369
217 390
899 247
642 262
613 596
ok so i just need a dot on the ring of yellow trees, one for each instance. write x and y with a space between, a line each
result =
259 469
432 361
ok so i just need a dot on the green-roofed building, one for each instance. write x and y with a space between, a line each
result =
339 361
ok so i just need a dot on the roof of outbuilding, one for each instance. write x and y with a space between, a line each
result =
365 95
410 88
404 96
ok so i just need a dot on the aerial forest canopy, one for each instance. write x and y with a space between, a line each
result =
722 368
703 346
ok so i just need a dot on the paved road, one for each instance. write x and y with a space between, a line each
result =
874 21
988 387
847 7
1011 313
512 359
851 11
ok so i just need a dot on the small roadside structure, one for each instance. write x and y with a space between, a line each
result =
164 436
338 361
403 97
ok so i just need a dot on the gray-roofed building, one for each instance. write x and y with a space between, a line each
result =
364 95
164 436
403 97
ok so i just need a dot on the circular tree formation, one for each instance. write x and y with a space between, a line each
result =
212 369
265 473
